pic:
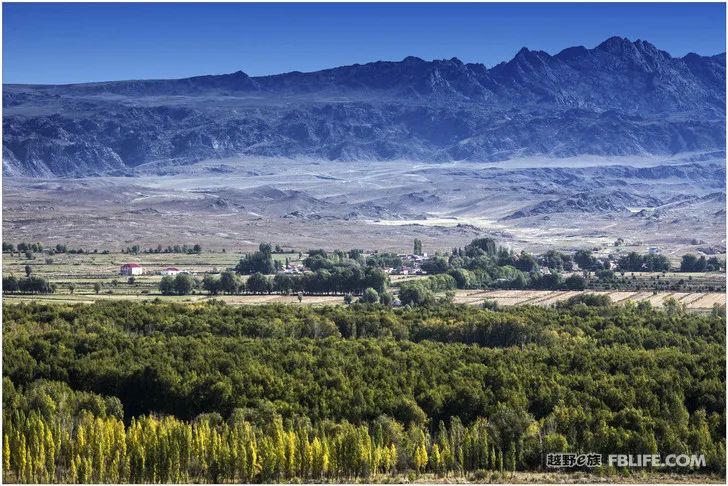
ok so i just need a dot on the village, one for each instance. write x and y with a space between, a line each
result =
90 276
411 265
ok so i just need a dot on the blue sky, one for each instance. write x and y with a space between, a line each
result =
64 43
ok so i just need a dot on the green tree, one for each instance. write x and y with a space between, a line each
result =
167 285
481 246
415 294
585 259
258 284
417 247
229 283
370 296
691 263
183 284
632 262
575 282
258 262
435 265
211 284
546 281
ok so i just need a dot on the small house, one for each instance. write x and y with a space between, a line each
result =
171 271
131 269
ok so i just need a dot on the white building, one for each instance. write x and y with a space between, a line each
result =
171 271
131 269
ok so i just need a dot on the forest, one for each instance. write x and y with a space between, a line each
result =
157 392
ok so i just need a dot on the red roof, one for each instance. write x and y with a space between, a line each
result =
174 269
132 265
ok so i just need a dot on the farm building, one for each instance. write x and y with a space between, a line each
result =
131 269
171 271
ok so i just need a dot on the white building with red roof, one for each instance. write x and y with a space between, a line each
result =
131 269
171 271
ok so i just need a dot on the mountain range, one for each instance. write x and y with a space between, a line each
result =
618 98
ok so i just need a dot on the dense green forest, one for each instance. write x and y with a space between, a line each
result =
153 392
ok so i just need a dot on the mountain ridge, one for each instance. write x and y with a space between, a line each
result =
618 98
605 45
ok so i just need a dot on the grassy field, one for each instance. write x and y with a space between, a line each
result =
82 271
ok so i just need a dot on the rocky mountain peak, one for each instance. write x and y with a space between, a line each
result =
618 98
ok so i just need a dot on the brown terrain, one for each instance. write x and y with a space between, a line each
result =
528 204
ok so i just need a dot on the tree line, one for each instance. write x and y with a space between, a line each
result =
41 444
484 264
185 248
693 263
339 281
27 285
84 442
30 248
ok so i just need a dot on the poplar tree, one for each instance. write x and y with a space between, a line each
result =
6 453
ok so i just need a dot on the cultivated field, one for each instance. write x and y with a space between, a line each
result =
694 301
83 271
